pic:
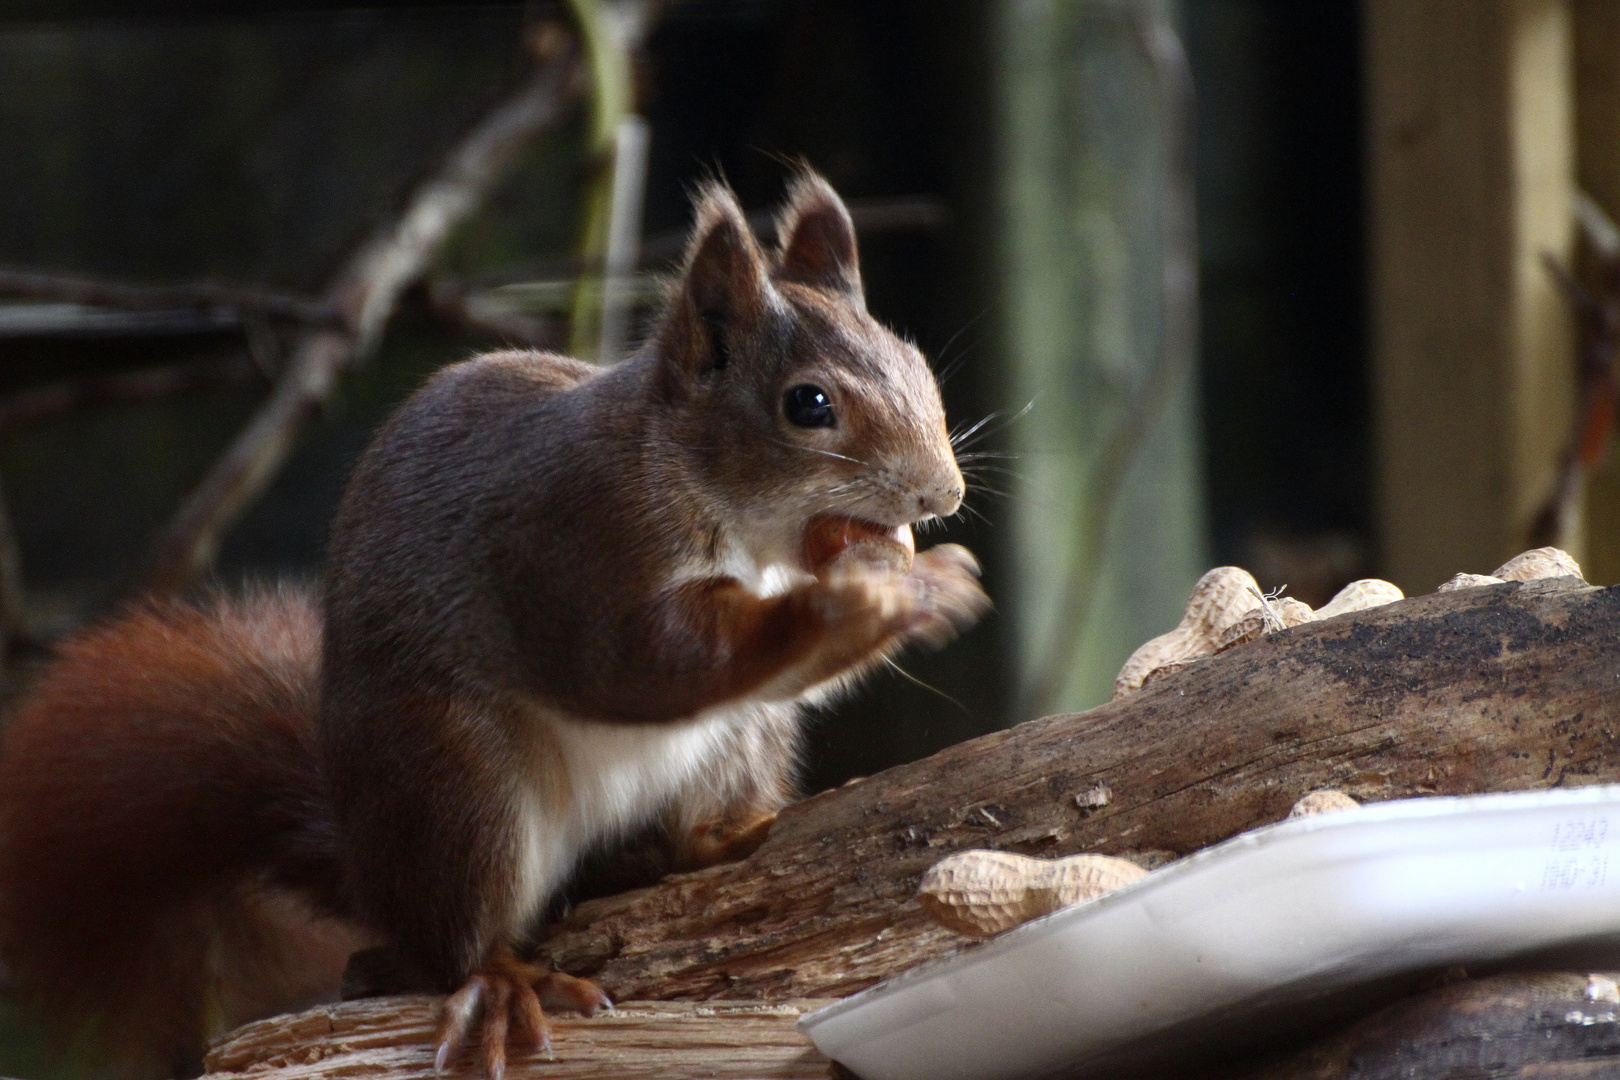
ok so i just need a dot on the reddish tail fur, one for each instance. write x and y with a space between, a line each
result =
167 862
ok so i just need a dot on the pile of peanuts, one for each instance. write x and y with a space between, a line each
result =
983 893
1227 608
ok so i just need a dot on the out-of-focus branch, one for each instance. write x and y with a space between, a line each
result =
57 399
101 292
1597 316
475 314
364 293
906 213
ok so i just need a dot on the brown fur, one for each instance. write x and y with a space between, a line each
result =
160 795
548 585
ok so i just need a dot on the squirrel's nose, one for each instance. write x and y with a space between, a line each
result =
940 498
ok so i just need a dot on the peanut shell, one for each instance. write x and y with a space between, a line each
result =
1543 562
829 539
982 893
1268 618
1221 598
1469 581
1359 596
1326 801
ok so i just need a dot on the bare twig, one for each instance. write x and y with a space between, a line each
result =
56 399
472 312
58 319
1177 349
1597 314
907 213
100 292
365 293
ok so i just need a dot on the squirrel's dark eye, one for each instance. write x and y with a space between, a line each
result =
808 406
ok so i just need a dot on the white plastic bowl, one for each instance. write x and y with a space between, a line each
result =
1275 917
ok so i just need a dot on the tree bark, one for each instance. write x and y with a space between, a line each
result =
1496 688
1538 1024
394 1037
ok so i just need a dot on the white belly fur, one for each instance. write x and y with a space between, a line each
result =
623 775
620 777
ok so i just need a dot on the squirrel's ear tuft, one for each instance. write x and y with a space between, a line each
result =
818 239
723 290
725 274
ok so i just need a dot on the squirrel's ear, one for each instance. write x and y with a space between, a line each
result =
725 273
818 239
724 283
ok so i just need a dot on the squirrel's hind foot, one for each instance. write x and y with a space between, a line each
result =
505 996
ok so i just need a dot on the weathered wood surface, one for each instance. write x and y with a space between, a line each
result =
1496 688
1544 1024
393 1037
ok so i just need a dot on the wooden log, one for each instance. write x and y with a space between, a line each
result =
394 1037
1493 688
1542 1024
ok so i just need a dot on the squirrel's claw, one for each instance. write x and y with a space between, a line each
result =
560 991
530 1020
455 1020
507 995
497 1019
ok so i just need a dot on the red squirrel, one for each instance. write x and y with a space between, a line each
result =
560 602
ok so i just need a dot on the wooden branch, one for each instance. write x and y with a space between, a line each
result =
905 213
393 1037
1495 688
1504 1027
102 292
81 321
365 293
472 313
1597 318
57 399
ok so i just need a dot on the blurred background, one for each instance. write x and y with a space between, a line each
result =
1308 286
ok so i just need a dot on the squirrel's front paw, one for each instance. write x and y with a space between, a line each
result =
947 596
938 599
862 607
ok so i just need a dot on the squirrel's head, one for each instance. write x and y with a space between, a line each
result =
790 397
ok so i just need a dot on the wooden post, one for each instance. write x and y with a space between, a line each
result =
1470 134
1099 288
1597 156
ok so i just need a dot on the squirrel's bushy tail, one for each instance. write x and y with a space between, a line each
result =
168 865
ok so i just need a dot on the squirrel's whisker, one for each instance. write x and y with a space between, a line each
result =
967 439
926 686
819 450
